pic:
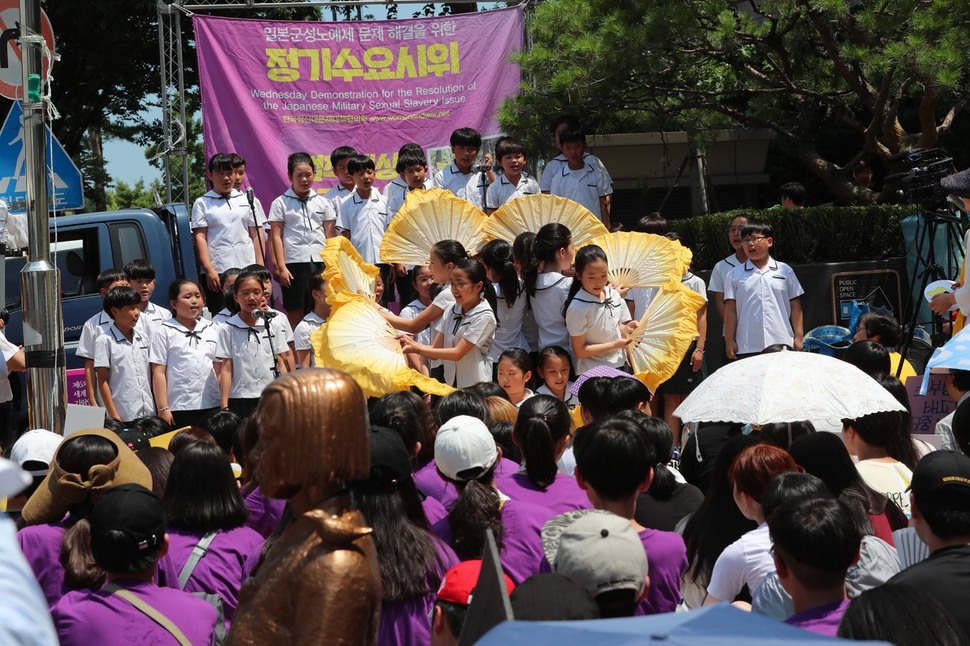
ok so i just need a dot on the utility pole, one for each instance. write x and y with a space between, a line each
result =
40 279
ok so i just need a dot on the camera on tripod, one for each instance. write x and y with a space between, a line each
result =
920 184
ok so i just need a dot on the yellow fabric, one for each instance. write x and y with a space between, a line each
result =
428 217
162 441
908 369
346 273
960 320
643 259
530 212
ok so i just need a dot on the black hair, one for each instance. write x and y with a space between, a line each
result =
961 427
502 431
624 393
407 150
475 271
572 134
660 439
112 551
120 297
454 614
613 456
522 249
817 539
4 315
497 256
140 269
175 288
585 255
568 119
466 137
519 358
222 425
202 494
549 240
407 413
758 228
150 425
108 276
314 283
232 272
360 163
652 223
245 275
793 191
236 160
159 463
552 351
259 270
717 522
901 615
296 159
341 153
898 390
477 509
449 251
782 434
219 162
541 429
961 378
508 146
461 402
407 160
591 394
947 513
868 356
885 429
790 487
488 389
883 325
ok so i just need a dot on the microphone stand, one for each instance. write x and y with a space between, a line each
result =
251 198
269 337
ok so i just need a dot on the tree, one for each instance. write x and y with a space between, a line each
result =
125 196
892 73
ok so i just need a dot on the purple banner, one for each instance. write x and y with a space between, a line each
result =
271 88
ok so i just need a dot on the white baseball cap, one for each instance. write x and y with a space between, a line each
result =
37 445
464 448
13 479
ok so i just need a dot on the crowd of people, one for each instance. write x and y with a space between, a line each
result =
599 502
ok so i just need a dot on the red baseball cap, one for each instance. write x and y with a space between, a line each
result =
459 583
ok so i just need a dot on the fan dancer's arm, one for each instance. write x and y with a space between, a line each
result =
698 355
225 383
437 351
416 325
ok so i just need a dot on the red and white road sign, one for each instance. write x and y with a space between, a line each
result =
11 73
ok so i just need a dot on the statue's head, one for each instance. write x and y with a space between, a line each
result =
312 432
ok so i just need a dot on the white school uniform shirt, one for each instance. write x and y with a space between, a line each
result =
410 312
248 347
222 316
227 221
509 332
477 326
301 335
128 373
90 331
502 190
467 186
571 401
395 190
302 218
552 288
585 185
598 320
188 357
366 220
721 271
280 327
152 318
763 300
545 180
7 351
396 201
337 196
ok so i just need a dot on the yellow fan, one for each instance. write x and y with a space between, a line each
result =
346 272
428 217
643 259
530 212
357 340
664 333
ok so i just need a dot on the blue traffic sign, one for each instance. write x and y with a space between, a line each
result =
65 187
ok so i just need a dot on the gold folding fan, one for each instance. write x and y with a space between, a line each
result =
643 259
530 212
664 333
428 217
357 340
346 272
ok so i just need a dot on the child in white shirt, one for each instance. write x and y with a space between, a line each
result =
317 316
121 359
513 182
363 217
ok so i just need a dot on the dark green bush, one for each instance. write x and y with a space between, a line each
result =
813 235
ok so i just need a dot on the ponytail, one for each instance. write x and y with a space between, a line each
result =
497 255
586 255
543 423
80 570
548 241
476 510
449 251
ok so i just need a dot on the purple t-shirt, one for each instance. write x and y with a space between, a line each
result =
86 617
433 510
41 545
521 554
223 568
430 483
264 513
666 564
559 497
409 622
822 620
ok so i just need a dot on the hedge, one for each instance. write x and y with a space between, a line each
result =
812 235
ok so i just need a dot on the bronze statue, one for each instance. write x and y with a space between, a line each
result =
319 583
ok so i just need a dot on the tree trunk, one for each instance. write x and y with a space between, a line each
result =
100 175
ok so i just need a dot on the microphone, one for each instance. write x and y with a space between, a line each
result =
250 197
266 315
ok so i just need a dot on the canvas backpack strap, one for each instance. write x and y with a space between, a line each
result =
149 611
197 553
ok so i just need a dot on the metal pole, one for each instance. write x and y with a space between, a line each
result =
40 279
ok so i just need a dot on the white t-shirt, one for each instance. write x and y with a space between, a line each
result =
598 320
745 561
7 351
763 300
552 166
151 318
502 190
585 185
552 288
90 331
891 479
571 401
302 218
188 357
477 326
394 191
721 271
366 220
396 201
337 196
509 332
410 312
467 186
128 374
226 221
248 348
304 329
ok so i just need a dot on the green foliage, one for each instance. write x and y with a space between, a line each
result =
125 196
812 235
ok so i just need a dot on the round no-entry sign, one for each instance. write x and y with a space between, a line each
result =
11 70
